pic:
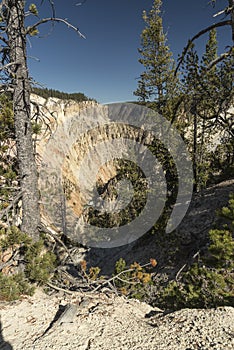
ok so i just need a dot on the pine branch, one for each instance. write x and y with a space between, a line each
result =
219 59
203 31
104 282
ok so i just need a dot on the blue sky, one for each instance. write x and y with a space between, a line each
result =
105 65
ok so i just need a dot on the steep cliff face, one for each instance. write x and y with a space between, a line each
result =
75 153
79 153
64 141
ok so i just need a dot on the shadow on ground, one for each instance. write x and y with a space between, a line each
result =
3 344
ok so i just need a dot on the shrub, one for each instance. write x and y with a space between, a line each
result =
210 281
132 281
39 263
12 287
33 265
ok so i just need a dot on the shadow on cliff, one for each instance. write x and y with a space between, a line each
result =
191 234
3 344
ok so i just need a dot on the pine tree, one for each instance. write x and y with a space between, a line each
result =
208 80
216 97
208 85
211 49
206 92
157 81
191 96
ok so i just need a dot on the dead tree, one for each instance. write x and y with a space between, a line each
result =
13 38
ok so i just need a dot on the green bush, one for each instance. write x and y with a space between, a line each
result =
200 287
132 281
36 264
39 263
12 237
221 249
210 281
13 286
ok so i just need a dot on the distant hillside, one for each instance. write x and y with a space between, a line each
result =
46 93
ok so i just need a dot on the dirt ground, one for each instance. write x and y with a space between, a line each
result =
110 322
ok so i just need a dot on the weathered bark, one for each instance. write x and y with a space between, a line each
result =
22 115
231 6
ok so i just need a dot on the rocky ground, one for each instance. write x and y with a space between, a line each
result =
106 321
110 322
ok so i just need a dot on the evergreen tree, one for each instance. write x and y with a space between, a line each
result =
75 96
209 80
157 82
191 97
216 91
211 49
208 94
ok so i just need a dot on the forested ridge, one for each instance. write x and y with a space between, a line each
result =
46 93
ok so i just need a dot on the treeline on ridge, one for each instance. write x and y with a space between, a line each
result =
46 93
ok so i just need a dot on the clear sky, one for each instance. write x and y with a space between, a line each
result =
104 66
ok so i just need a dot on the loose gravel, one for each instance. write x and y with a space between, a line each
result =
113 323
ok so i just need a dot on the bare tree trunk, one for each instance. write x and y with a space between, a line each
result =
22 116
231 6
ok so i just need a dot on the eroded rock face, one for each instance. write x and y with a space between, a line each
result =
65 180
61 150
87 140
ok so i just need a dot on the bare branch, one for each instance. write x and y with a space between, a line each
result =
184 266
40 116
203 31
11 261
51 5
53 19
104 282
219 59
62 289
6 66
81 3
11 205
45 229
5 88
227 10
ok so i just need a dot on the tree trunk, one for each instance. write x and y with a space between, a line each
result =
195 187
231 6
22 117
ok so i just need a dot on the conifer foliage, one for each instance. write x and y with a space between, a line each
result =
157 80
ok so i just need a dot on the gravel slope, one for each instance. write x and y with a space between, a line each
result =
110 322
